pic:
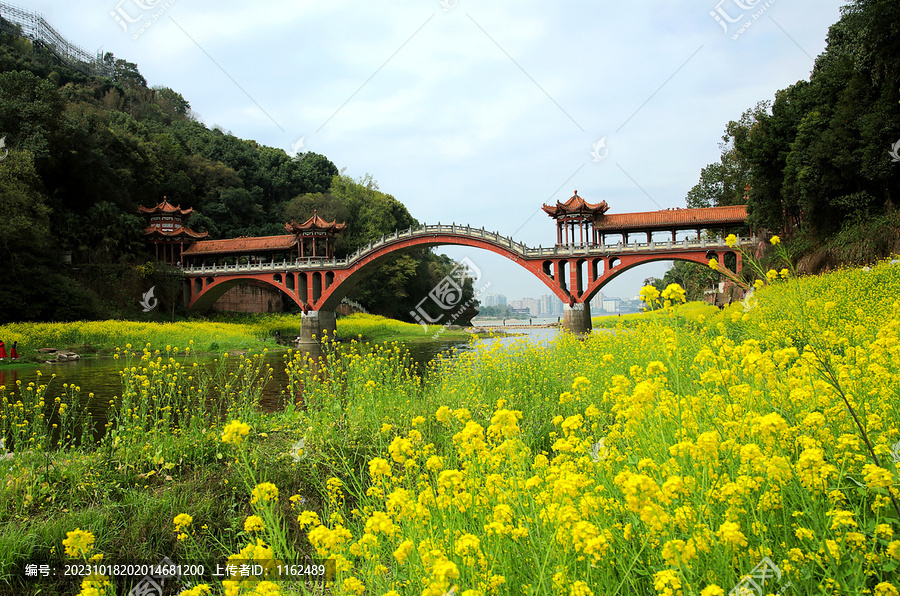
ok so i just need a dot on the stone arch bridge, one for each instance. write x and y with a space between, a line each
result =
574 273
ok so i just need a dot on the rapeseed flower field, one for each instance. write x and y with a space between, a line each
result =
223 332
753 450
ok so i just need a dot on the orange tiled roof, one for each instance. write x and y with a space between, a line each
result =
164 207
242 245
314 223
666 219
575 204
157 229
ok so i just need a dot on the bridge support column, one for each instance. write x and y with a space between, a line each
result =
577 318
317 324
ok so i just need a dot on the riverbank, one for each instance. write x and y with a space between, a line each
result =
219 333
688 453
692 311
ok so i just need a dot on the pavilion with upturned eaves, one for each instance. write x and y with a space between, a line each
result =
316 236
576 215
167 232
579 223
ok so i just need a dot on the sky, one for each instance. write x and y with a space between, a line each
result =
470 111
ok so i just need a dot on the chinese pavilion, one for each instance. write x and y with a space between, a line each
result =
316 236
576 214
167 231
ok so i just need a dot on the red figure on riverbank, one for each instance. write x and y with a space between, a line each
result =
13 353
2 351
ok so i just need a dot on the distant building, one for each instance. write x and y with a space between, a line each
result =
611 304
533 306
633 305
501 300
557 307
545 305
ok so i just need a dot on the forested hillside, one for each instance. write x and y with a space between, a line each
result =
817 158
85 151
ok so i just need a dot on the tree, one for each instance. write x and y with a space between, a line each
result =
723 182
816 157
25 225
315 172
123 72
32 288
30 111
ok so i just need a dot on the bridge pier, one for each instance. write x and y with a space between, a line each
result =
317 324
577 318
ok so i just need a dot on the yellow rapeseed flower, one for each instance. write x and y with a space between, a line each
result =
379 467
403 551
78 543
353 586
265 491
674 293
235 431
580 588
254 523
182 521
649 294
730 533
885 589
308 518
877 477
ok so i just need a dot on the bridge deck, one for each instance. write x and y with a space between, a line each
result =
467 232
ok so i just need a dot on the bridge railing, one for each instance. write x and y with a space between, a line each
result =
439 229
604 249
467 231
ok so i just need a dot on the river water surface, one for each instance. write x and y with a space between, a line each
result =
100 376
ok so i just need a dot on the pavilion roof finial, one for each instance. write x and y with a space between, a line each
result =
575 204
315 223
165 208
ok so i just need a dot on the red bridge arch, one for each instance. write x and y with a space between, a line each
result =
573 274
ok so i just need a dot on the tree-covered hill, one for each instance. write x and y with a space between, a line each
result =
817 158
86 151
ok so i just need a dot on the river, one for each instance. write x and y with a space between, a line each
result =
100 376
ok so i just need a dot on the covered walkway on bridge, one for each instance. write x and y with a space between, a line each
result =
307 241
719 220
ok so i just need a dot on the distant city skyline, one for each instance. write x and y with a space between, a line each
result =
550 305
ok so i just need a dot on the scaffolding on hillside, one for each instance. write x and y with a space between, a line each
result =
33 26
